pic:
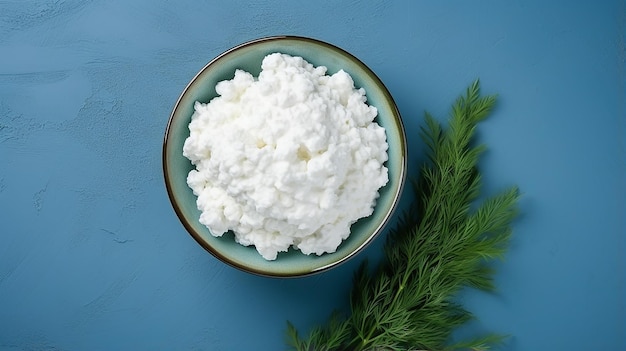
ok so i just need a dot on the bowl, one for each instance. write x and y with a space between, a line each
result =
248 56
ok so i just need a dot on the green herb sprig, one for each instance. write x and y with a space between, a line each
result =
441 244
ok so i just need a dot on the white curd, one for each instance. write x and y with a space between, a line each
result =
291 159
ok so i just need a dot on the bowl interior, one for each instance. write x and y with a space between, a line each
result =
249 57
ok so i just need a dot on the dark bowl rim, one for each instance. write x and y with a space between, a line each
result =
262 272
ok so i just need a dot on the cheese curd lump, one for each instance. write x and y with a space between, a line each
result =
289 159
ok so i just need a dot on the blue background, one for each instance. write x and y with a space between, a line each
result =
92 256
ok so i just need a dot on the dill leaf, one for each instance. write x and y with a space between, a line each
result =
441 244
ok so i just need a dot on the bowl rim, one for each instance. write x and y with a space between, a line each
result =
380 226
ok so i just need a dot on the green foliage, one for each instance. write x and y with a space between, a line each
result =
442 244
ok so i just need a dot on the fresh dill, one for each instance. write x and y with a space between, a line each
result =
441 244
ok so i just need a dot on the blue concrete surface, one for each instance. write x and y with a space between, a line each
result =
92 256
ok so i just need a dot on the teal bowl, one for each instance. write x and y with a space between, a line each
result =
248 56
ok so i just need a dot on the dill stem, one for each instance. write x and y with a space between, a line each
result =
405 278
366 342
370 338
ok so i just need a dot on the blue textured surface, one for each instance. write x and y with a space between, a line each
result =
93 257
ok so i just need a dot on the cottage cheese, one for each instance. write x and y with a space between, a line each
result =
291 159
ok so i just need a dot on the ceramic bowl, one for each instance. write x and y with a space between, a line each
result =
248 56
